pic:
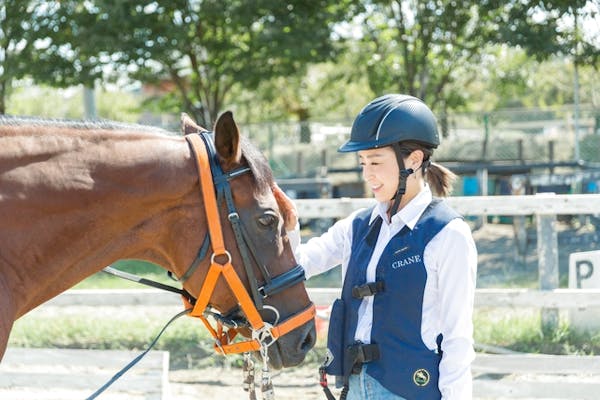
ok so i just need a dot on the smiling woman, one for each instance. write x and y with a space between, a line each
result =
402 327
75 197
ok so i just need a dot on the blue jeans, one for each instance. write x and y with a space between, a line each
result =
365 387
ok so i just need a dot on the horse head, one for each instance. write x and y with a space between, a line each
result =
261 257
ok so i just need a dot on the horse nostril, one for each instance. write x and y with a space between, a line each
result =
309 341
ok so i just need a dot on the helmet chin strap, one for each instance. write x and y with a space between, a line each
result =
404 174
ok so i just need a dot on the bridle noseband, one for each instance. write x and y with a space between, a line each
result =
213 179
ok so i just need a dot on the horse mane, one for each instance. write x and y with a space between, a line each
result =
258 164
102 124
253 156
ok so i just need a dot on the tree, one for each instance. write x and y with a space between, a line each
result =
545 28
203 48
422 47
37 41
18 34
417 47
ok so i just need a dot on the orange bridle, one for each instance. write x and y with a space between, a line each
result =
263 333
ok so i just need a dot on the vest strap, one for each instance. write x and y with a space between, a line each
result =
368 289
364 353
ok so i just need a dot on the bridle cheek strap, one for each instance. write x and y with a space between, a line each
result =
225 268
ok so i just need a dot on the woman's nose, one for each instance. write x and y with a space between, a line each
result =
366 172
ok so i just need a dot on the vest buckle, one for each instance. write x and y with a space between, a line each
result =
360 353
368 289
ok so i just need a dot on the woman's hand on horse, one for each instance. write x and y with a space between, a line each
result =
287 208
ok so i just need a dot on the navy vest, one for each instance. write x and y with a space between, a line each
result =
406 366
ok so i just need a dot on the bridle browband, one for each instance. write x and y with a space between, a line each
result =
215 189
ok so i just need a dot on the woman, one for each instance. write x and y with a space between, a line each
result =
403 326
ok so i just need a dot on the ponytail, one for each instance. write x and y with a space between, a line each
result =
439 178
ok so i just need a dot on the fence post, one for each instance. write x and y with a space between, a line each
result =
89 102
482 178
299 164
547 247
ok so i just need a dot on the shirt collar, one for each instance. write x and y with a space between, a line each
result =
409 214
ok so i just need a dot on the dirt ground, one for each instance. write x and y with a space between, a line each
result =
289 384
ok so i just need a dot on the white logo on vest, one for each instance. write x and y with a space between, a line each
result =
406 261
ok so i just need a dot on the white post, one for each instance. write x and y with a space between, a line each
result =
482 177
89 103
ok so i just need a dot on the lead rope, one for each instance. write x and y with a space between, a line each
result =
136 359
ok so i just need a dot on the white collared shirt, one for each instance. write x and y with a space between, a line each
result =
450 260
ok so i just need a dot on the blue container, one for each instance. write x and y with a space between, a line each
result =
470 186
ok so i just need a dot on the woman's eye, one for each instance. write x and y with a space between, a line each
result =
268 220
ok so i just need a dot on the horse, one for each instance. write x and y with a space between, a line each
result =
76 196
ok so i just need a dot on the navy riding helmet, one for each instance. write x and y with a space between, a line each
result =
390 119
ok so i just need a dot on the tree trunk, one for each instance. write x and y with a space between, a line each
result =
303 116
2 97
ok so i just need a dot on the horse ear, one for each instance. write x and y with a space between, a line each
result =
227 138
188 126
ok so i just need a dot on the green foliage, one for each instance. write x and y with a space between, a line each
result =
275 60
24 28
547 28
203 48
419 47
433 49
190 345
48 102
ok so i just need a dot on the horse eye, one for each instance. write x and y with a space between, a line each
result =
268 219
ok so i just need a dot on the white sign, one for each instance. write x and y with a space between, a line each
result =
584 270
584 273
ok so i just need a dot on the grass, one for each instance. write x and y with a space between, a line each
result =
522 332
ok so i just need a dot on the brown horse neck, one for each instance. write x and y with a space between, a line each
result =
73 202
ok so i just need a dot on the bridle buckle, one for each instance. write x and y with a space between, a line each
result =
264 336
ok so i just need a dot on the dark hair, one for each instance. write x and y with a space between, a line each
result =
439 177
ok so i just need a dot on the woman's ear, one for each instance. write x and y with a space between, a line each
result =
415 160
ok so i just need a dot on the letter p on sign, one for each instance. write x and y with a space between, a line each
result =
584 270
584 273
